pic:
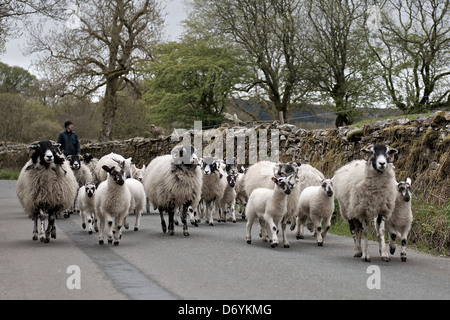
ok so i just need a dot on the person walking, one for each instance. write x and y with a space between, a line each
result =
68 139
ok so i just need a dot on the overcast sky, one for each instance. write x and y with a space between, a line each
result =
176 12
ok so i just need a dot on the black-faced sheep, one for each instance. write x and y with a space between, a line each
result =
112 202
213 188
367 190
46 186
174 181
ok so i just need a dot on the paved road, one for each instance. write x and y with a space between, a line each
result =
212 263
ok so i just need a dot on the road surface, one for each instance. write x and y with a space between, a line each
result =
212 263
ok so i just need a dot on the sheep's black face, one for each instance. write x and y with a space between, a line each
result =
75 162
46 152
404 188
283 184
379 156
90 189
210 165
116 173
231 179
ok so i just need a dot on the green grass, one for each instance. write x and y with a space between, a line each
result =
9 175
408 116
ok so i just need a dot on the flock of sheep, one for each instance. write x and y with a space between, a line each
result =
106 190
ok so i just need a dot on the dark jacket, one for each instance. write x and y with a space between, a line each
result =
69 143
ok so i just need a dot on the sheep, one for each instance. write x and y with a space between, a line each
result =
228 200
112 201
137 173
173 181
367 190
241 195
316 203
213 186
100 175
270 206
86 204
259 176
399 224
46 185
90 161
80 171
138 201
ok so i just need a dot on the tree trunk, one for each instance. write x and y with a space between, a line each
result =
109 109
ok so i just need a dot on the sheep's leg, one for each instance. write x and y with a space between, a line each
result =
163 222
42 226
126 224
118 222
404 235
110 229
380 225
272 231
365 232
392 238
356 228
210 207
250 219
327 227
51 229
83 219
101 237
263 230
90 221
233 214
137 224
171 225
283 231
35 228
184 220
317 222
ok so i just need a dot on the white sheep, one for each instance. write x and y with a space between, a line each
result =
137 173
108 160
316 203
174 181
112 202
213 187
367 190
259 175
86 204
399 224
270 207
138 201
46 185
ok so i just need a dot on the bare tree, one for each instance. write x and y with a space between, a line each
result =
412 48
268 32
100 51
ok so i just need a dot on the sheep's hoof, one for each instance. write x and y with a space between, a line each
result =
195 224
234 221
109 241
90 232
358 255
171 232
83 225
385 259
116 243
136 229
287 245
101 242
403 257
249 241
35 237
300 237
392 250
273 245
186 233
211 224
366 259
46 240
320 244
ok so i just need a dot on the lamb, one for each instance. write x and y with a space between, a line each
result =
137 173
367 190
316 203
86 204
228 200
46 185
138 201
213 187
259 176
399 224
270 206
173 181
100 175
112 201
241 195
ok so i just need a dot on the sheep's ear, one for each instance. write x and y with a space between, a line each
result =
408 181
368 150
69 157
107 169
120 163
34 146
392 151
143 167
274 179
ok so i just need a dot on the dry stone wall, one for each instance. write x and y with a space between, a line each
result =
423 144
